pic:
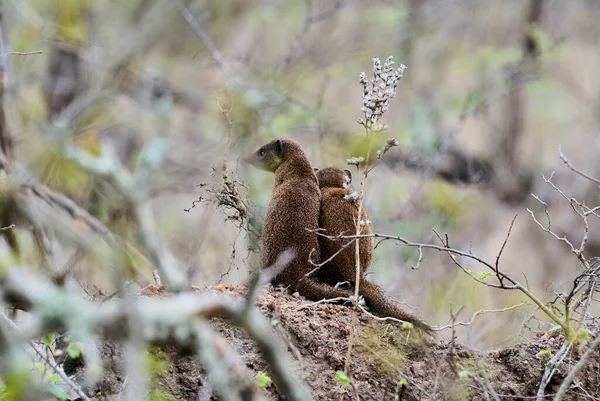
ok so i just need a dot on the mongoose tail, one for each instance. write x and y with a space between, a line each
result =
382 306
316 291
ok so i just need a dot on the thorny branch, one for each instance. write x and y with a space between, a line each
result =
515 285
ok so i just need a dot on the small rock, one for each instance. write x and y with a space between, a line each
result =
418 369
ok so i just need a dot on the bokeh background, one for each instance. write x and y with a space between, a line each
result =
492 89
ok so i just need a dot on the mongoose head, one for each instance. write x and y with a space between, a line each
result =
332 177
280 153
269 157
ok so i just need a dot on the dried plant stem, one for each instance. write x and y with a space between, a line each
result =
357 254
569 379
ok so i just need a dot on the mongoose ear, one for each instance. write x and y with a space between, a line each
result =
278 146
348 174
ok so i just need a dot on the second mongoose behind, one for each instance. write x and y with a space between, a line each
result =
339 216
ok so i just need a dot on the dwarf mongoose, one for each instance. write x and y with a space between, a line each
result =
339 217
293 210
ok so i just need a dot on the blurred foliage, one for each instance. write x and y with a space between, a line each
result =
447 201
14 384
451 291
63 174
302 78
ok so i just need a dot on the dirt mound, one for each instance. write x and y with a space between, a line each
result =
388 363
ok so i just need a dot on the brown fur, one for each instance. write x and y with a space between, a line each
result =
338 217
294 208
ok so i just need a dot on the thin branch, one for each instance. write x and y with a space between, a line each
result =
552 367
575 170
515 284
502 248
21 53
324 301
50 361
319 265
479 312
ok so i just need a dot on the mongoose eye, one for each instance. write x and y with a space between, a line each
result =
261 152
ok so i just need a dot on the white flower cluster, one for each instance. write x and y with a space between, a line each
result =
354 197
355 161
377 95
391 142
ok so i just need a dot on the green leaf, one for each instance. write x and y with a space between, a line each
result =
585 334
262 379
49 339
544 352
53 378
58 392
341 377
403 382
557 327
407 325
74 350
464 374
40 367
483 275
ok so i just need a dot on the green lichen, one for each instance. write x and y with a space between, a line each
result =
156 361
158 366
386 345
459 391
161 395
476 365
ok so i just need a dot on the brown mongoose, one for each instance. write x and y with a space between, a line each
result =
292 211
338 216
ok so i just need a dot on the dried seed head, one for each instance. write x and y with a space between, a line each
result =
355 161
377 95
390 143
354 197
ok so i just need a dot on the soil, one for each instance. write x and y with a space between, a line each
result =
388 363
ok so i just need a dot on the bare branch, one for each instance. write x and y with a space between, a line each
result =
479 312
575 170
